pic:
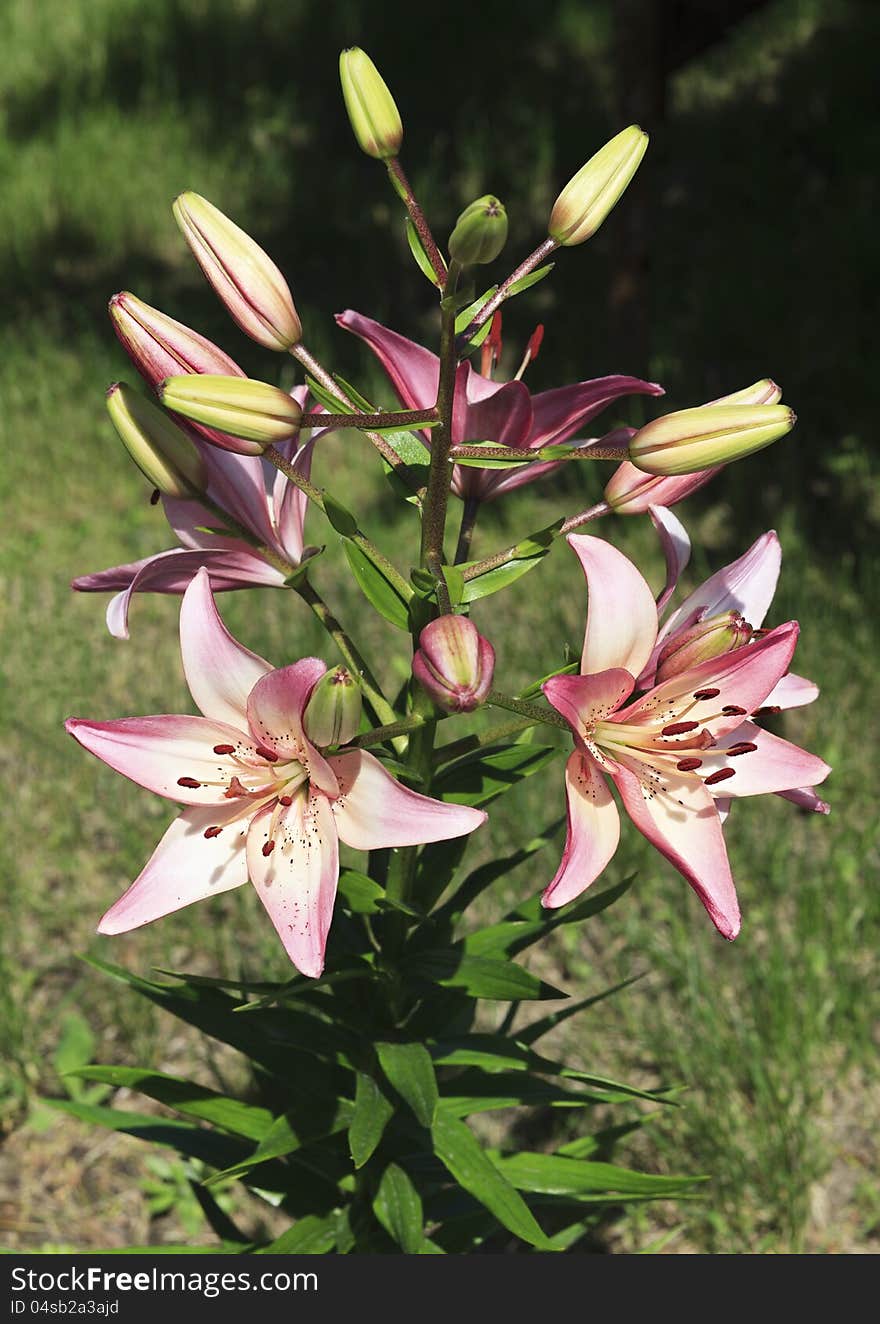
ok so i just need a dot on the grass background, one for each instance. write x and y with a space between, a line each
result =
763 260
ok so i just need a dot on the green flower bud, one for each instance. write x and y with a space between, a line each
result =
480 232
333 713
693 439
162 452
256 411
374 117
597 187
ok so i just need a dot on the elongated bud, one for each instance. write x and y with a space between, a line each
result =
163 453
454 663
255 411
374 117
694 439
480 232
333 713
597 187
709 638
764 392
243 275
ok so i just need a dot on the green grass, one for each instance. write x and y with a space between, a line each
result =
772 1036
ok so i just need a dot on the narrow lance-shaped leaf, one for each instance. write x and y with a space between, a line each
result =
410 1070
398 1207
378 590
372 1111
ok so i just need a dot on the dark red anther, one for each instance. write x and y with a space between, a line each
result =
744 747
720 776
706 694
267 754
212 832
679 728
689 765
190 782
733 710
224 749
268 847
154 496
770 711
534 345
286 800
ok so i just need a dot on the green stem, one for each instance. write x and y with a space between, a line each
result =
506 554
528 264
466 531
468 744
351 655
576 521
518 456
406 418
417 216
382 733
526 709
320 374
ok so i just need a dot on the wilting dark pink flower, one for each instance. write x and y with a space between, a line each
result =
485 410
262 801
673 751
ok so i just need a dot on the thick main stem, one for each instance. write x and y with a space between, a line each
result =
437 494
403 419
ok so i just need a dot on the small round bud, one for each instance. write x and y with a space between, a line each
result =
255 411
164 454
333 713
480 232
597 187
374 117
454 664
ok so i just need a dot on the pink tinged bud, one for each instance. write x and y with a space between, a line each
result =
164 454
694 439
254 411
243 275
707 639
374 116
597 187
159 347
454 664
333 713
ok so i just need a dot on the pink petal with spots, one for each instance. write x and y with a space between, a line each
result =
773 765
185 867
275 714
593 831
374 810
583 700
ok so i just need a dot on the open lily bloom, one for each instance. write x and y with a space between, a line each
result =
673 751
485 410
261 800
257 497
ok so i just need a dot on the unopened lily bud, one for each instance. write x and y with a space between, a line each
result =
243 275
480 232
707 639
764 392
694 439
333 713
597 187
374 117
163 453
255 411
454 663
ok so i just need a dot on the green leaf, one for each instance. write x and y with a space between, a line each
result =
359 401
531 922
538 542
478 976
459 1152
241 1119
481 777
454 583
549 1174
570 668
192 1141
533 1032
327 398
495 580
417 249
398 1208
476 882
467 315
340 516
476 1091
410 1070
372 1111
532 278
364 896
378 590
411 449
287 1134
308 1236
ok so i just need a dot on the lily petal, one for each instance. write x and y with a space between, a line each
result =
684 826
583 700
275 710
374 810
676 546
220 672
806 798
560 412
414 371
290 504
156 752
184 867
622 616
633 492
746 585
593 831
792 692
773 765
296 881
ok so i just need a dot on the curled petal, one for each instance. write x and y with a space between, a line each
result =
792 692
746 585
583 700
559 413
185 867
593 831
374 810
291 503
157 752
806 798
414 372
681 821
220 672
622 616
296 879
676 549
772 765
275 710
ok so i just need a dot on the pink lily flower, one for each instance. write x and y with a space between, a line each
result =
670 750
485 410
261 801
257 497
